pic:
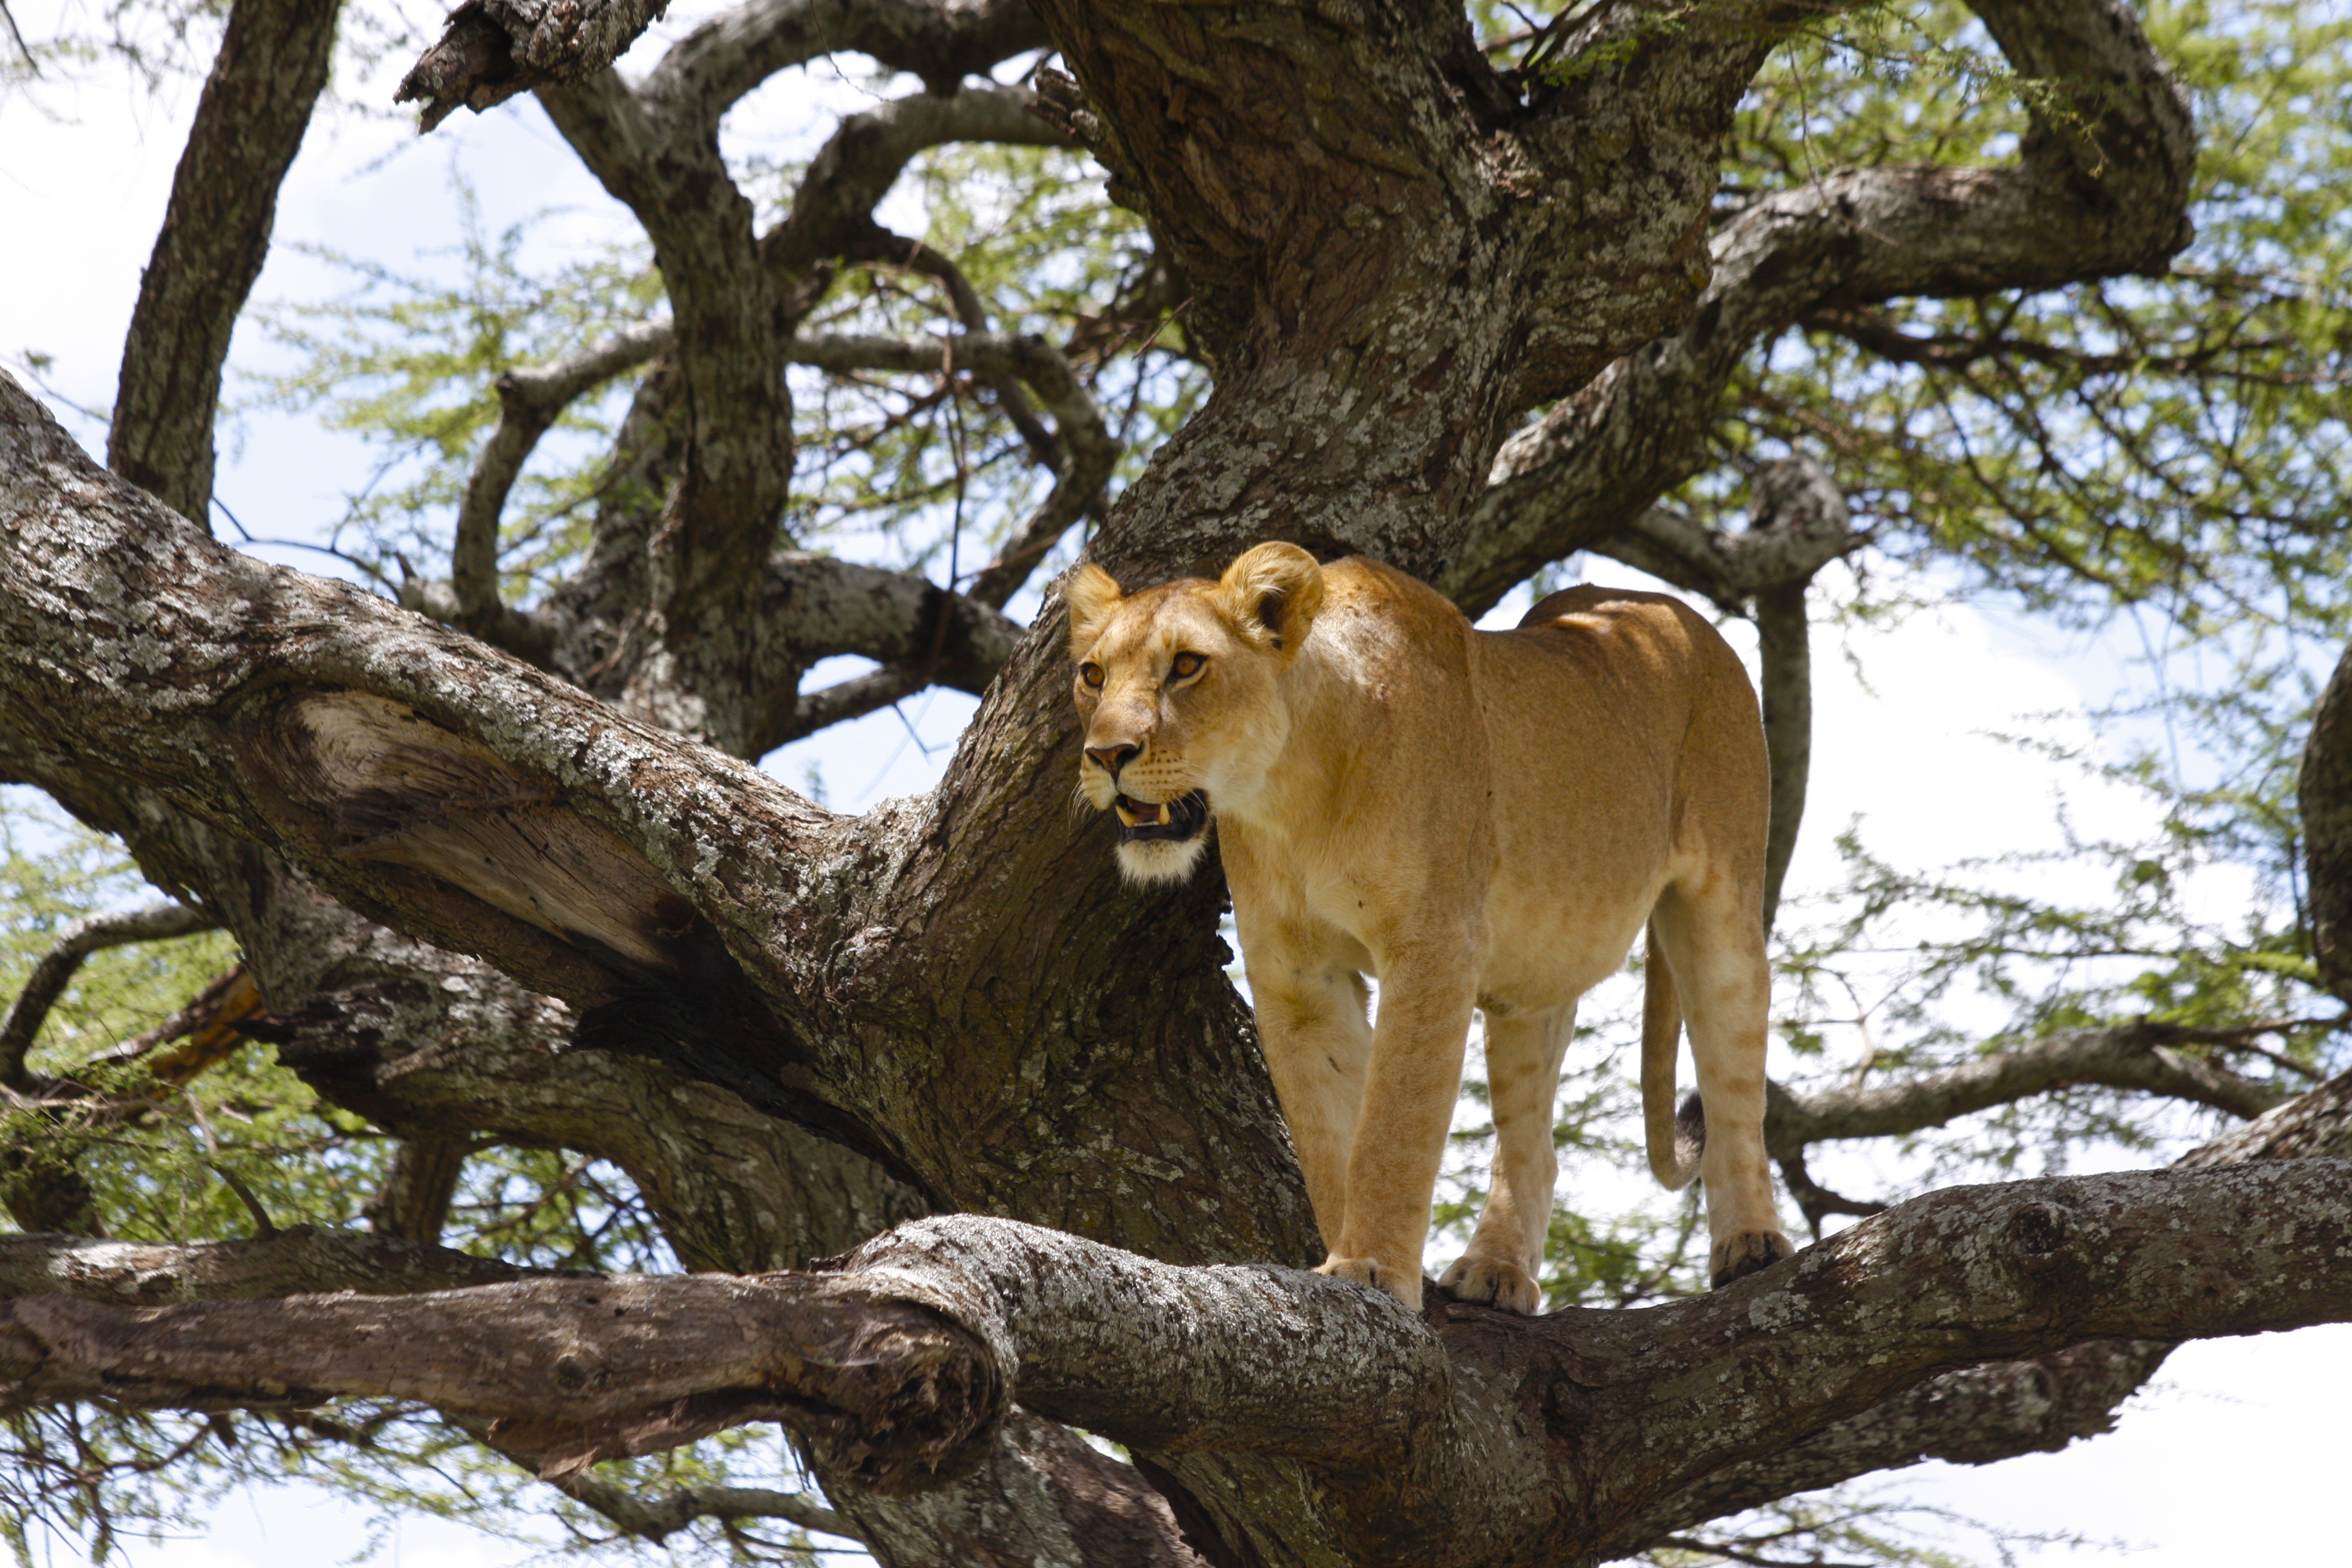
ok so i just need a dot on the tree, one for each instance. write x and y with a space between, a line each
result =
499 871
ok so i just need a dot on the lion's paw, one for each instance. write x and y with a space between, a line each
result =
1404 1284
1746 1252
1497 1279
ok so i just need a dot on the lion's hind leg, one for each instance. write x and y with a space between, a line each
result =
1506 1252
1713 939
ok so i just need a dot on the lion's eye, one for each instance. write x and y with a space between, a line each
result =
1092 674
1187 666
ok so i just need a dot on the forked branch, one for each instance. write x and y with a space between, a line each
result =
57 968
899 1367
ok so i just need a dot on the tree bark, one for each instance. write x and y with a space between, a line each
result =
2324 798
1463 1435
249 122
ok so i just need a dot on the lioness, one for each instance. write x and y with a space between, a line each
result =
1480 819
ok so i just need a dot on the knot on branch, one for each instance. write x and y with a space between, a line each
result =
490 51
2039 1230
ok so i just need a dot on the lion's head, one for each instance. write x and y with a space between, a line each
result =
1180 687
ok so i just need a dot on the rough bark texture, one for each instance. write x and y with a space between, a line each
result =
250 122
1547 1440
2324 795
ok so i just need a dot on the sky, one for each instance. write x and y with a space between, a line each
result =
2231 1455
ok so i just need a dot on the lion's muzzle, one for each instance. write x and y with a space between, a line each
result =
1177 820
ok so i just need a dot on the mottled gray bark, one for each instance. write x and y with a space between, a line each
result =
1464 1436
492 49
297 1261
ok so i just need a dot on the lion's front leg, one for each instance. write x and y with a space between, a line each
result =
1312 1026
1416 1072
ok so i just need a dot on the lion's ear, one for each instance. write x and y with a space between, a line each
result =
1092 594
1274 588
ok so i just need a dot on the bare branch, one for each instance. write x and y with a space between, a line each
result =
901 1367
576 1369
298 1261
1083 456
2131 1055
833 209
939 41
249 122
490 51
1974 1417
1800 511
413 1202
819 606
529 402
656 1519
724 515
58 967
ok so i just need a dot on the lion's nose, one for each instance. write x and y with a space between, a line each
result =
1113 758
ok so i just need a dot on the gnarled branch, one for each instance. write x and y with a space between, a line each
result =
2136 1056
57 968
900 1366
2098 191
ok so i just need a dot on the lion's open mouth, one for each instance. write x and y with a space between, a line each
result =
1180 818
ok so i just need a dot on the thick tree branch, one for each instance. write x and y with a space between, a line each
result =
577 1370
2324 798
925 635
63 961
1994 1412
2103 193
249 122
297 1261
413 1202
833 208
724 513
939 41
529 402
1800 507
436 785
900 1366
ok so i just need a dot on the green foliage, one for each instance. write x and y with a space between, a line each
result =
411 362
925 473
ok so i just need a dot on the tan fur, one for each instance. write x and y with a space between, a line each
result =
1481 820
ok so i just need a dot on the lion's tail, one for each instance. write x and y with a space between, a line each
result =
1674 1140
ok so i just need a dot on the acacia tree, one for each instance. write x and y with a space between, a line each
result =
499 869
